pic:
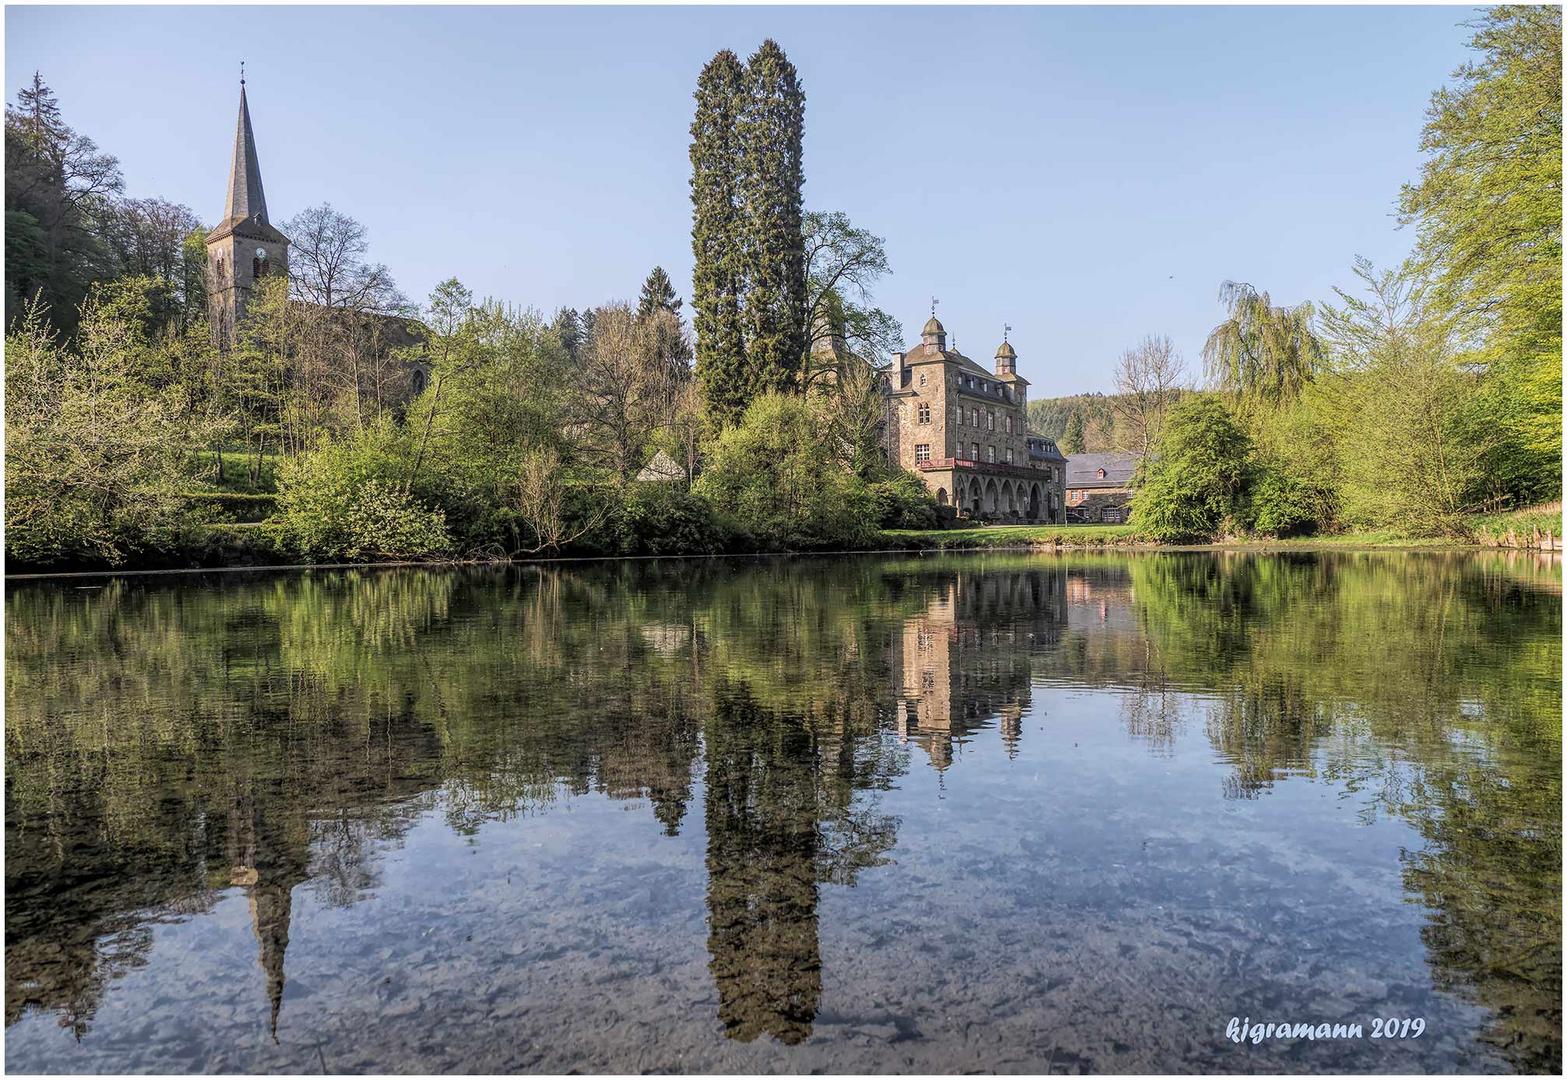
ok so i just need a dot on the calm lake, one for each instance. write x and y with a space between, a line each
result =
873 813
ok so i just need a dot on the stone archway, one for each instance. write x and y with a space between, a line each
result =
992 497
1033 502
941 496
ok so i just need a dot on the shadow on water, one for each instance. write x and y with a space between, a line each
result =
172 744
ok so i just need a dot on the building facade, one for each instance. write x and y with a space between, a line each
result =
1099 487
964 431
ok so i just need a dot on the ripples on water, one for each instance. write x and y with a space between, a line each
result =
1011 813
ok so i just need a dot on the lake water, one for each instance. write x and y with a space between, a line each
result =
1018 813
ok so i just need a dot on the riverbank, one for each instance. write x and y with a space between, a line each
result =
254 546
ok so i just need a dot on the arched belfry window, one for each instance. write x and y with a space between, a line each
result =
259 265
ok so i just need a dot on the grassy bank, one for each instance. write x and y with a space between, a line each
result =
1533 527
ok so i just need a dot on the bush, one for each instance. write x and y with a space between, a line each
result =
902 501
343 500
776 483
1277 503
661 519
1195 479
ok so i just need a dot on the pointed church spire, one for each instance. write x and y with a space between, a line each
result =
246 199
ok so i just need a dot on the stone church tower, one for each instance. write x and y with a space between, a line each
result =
244 247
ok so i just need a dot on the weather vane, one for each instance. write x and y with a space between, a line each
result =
242 73
933 303
1005 330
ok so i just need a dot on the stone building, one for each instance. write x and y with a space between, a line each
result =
245 247
1099 487
964 431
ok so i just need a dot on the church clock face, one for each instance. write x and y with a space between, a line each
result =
261 253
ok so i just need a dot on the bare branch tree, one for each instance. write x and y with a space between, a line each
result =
1147 381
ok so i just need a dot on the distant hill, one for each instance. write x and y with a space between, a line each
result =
1050 416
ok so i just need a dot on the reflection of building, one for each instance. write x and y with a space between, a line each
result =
963 430
267 864
1099 487
966 661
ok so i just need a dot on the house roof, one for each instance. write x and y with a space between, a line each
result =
1044 449
1082 470
662 469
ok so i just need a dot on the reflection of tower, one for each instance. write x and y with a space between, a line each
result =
1011 726
965 660
268 866
762 849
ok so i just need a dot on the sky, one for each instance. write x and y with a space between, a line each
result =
1087 176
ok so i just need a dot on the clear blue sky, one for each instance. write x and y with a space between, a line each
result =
1088 175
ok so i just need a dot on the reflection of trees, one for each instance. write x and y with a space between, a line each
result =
1431 685
168 746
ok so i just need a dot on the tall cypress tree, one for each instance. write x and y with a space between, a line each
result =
717 284
658 294
771 131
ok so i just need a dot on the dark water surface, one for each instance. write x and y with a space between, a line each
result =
866 814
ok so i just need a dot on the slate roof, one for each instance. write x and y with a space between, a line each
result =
1043 449
246 212
1082 470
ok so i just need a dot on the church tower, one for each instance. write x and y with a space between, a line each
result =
245 247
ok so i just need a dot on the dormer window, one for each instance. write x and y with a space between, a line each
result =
1100 473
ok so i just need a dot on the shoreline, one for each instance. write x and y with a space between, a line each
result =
1348 542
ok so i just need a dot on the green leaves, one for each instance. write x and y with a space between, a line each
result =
1488 207
749 283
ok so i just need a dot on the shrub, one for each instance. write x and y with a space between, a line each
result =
1278 503
661 519
1195 479
344 500
776 482
902 501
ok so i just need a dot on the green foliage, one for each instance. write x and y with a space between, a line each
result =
770 132
1072 437
658 294
718 275
1488 208
345 500
1194 483
774 478
1279 503
1260 352
1413 442
660 519
95 459
901 501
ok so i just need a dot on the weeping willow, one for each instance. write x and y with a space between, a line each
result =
1261 352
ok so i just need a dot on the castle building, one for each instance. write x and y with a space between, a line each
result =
245 247
964 431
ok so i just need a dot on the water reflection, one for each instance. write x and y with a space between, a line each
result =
169 744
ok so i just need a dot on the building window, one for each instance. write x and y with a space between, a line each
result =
1009 423
924 413
922 452
976 452
1009 455
990 419
922 378
990 453
259 264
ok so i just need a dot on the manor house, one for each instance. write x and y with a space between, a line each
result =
964 431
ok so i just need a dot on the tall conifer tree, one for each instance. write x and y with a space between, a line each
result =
771 131
717 285
658 294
